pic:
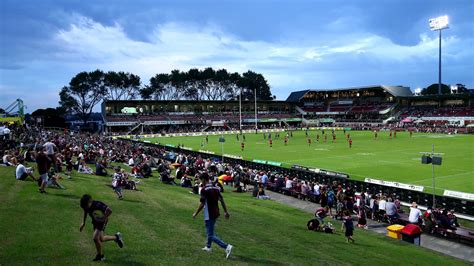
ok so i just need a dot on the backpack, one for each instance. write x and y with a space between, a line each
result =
330 197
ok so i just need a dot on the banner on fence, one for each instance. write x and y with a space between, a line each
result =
459 195
394 184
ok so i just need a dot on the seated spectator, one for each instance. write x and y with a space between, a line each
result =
391 209
453 219
100 168
23 172
84 169
186 181
415 214
261 192
145 170
444 222
53 181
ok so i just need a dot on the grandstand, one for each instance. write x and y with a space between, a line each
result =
375 106
379 105
140 115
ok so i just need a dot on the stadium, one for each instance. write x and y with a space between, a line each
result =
215 166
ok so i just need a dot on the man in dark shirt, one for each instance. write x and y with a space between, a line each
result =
44 163
99 213
210 197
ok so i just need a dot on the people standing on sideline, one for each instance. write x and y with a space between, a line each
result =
210 198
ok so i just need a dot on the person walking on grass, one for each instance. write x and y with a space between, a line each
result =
99 213
210 197
348 226
44 163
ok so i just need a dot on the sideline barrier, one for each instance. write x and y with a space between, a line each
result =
461 206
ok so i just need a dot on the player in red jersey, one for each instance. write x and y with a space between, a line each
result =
348 136
309 141
394 133
350 143
333 137
242 146
270 142
286 140
390 133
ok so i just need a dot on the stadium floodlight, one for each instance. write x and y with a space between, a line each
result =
433 159
439 24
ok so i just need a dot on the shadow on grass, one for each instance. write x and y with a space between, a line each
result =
255 260
123 259
68 196
130 200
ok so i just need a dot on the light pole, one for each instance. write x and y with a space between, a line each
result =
433 159
255 96
439 24
240 110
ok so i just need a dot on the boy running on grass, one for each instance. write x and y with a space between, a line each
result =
99 213
210 197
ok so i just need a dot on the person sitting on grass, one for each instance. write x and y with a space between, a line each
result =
83 168
145 170
261 192
53 180
100 168
99 213
186 181
22 172
117 181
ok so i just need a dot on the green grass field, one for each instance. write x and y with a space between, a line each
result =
158 228
396 159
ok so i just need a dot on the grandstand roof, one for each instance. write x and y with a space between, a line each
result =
397 91
296 96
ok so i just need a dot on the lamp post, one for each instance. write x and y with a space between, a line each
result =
255 96
433 159
240 110
439 24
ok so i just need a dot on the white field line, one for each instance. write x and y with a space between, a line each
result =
443 176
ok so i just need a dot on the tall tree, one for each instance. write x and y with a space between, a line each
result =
85 91
252 82
121 85
433 89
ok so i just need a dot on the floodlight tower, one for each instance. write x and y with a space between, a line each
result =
439 24
433 159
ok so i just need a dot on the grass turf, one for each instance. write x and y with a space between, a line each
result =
397 159
158 229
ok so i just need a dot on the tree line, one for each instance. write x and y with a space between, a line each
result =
87 89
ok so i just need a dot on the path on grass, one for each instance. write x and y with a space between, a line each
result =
440 245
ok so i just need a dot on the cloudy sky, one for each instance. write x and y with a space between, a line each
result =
294 44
